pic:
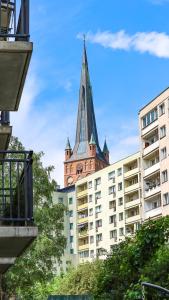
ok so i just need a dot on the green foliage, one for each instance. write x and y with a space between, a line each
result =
36 267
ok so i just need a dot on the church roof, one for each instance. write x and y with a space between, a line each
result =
105 148
68 147
86 123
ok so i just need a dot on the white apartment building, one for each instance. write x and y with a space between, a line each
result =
109 205
154 136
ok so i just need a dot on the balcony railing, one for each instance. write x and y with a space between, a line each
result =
14 20
16 188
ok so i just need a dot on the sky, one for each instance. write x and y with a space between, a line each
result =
128 54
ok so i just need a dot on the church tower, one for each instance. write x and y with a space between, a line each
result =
86 156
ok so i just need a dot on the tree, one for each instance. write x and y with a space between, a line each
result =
38 264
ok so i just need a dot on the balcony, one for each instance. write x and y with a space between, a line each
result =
132 203
132 219
15 51
82 206
131 188
152 190
150 127
153 213
83 220
83 247
151 148
16 205
131 172
5 130
152 169
82 194
83 233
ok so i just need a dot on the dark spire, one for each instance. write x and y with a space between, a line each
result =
105 148
68 147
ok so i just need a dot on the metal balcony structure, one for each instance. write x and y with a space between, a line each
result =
17 230
15 51
5 130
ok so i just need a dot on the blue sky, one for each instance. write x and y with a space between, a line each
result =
128 54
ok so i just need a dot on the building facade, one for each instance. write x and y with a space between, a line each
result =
86 156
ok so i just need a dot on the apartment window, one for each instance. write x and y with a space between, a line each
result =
90 198
84 254
71 226
99 237
120 201
120 186
91 212
98 223
71 251
98 209
111 175
161 109
163 153
97 195
60 200
166 198
70 213
149 118
89 184
120 216
92 253
91 239
119 171
121 231
91 225
97 182
113 234
112 189
112 219
162 132
71 239
164 176
71 200
112 204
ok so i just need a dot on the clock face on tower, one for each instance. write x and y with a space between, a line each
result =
70 180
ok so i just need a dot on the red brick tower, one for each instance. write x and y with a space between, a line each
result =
86 157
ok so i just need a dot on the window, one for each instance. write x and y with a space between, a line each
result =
71 226
89 184
111 175
120 216
112 189
91 225
84 254
113 234
98 209
162 132
119 172
149 118
91 239
71 239
121 231
163 153
120 186
112 220
98 223
99 237
71 251
90 198
97 195
166 198
91 253
161 109
112 205
91 212
164 176
71 200
97 181
120 201
60 200
70 213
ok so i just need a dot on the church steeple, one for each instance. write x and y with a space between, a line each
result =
86 157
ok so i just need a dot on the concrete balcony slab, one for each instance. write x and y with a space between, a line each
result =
14 63
14 240
6 263
5 134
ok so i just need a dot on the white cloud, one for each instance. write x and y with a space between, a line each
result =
154 43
